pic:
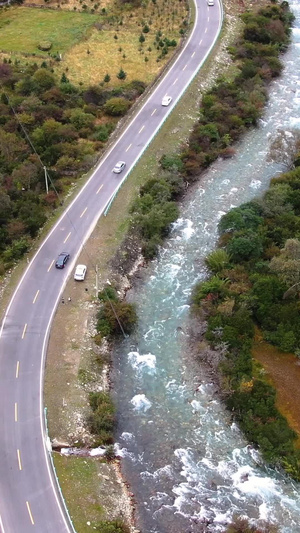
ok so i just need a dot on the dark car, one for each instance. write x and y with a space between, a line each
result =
62 259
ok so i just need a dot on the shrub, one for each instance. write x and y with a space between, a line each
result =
172 162
116 106
101 421
114 526
217 260
108 293
214 287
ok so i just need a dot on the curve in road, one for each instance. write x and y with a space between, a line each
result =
29 499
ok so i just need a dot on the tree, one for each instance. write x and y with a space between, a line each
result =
25 176
5 207
142 38
80 119
64 78
12 150
287 264
106 78
44 79
121 74
244 247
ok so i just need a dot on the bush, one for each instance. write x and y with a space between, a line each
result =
116 106
215 288
108 293
217 260
172 162
115 316
114 526
101 421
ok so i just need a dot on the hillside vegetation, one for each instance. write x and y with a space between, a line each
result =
67 127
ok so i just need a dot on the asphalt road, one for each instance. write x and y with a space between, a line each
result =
29 499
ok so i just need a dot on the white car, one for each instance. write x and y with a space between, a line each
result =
166 100
210 2
80 272
119 167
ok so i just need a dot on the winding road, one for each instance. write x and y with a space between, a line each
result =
29 496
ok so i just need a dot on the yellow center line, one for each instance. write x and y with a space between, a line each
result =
50 265
24 331
17 369
16 412
19 459
205 30
141 129
175 81
30 513
99 188
200 42
34 299
128 147
153 112
67 237
184 67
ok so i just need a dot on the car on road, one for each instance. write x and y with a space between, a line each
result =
62 259
210 2
119 167
80 272
166 100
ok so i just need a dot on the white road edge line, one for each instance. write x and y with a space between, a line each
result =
1 525
59 501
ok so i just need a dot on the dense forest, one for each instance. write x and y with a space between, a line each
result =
45 121
255 281
233 105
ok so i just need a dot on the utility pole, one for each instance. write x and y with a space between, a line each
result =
46 180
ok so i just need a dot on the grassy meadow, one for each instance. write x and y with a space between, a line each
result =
23 28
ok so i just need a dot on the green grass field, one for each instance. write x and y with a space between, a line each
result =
22 29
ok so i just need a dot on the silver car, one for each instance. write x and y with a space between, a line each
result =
119 167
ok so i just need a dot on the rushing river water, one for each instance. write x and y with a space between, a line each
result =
187 463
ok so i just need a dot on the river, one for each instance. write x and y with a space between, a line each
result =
188 465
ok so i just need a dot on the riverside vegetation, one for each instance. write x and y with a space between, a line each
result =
234 104
255 281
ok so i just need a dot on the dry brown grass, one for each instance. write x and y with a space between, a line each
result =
89 61
283 370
